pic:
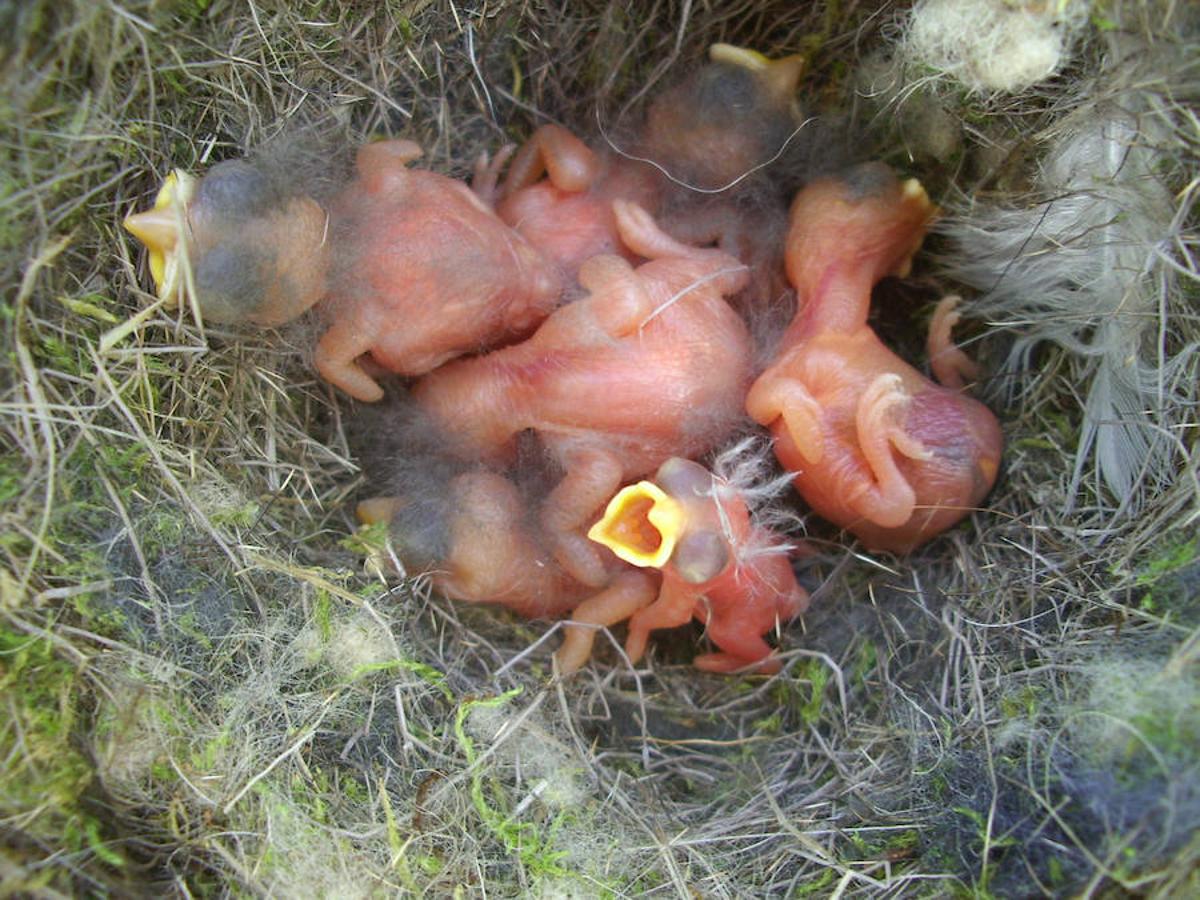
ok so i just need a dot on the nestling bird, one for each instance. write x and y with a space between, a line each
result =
482 543
407 268
706 160
876 447
717 565
652 363
425 272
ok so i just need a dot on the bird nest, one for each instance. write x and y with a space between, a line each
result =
208 687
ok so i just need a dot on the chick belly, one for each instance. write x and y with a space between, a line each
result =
432 310
960 433
567 228
652 406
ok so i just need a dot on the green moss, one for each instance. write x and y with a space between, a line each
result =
1025 703
243 515
772 724
71 357
322 615
426 673
1162 591
211 752
804 695
161 529
534 846
865 661
817 886
45 779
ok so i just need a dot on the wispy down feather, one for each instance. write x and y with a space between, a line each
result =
1099 262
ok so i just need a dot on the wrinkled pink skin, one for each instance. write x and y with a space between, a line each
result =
653 363
429 273
498 556
726 572
876 447
568 214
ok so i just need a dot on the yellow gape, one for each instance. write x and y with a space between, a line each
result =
641 525
159 229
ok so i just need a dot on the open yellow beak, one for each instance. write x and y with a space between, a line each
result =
641 525
781 75
159 228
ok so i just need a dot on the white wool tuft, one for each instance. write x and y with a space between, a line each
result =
994 45
1095 263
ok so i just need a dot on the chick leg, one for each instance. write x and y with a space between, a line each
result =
774 397
617 299
739 648
485 180
950 365
565 159
673 608
889 502
625 596
593 476
641 234
336 358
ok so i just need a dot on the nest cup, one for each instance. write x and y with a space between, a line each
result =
211 685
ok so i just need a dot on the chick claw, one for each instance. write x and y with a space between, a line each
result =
951 366
485 181
891 499
629 592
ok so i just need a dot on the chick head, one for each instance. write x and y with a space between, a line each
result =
667 522
251 250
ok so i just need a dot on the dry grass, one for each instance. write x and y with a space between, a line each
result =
206 691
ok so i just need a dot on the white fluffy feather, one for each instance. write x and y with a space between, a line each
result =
994 45
1098 262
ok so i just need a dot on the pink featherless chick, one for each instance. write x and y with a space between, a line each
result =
651 363
700 145
718 566
480 542
425 272
876 447
406 268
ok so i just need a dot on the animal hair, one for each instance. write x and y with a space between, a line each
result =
1096 263
994 45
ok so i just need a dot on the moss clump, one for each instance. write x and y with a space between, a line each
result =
45 779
